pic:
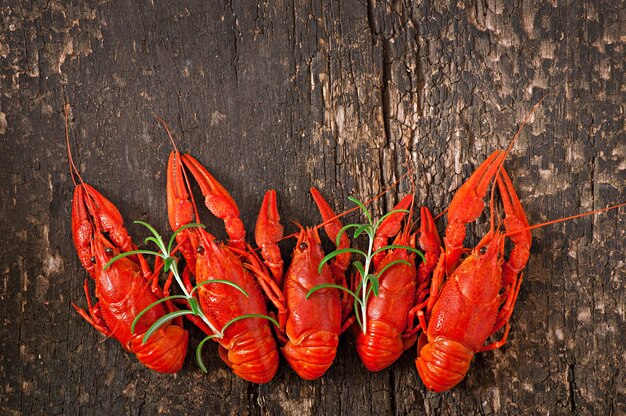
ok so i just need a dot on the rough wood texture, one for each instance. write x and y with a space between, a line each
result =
326 93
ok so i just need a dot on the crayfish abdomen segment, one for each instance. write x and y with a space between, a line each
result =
443 363
381 346
165 350
312 354
252 354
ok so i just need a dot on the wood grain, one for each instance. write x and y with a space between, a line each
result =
288 95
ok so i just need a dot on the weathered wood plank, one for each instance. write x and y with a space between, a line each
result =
289 95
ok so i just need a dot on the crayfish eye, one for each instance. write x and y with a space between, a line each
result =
109 251
93 259
482 251
200 249
303 246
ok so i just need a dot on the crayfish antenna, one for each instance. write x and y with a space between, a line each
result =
160 120
526 120
409 169
506 154
73 169
571 217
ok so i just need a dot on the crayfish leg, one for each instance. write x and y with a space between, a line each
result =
94 318
509 304
499 343
268 285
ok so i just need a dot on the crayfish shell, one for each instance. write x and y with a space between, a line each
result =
442 363
165 350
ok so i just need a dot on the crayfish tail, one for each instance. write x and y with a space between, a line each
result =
254 356
381 346
165 350
312 355
443 363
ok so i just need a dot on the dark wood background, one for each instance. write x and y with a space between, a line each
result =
289 95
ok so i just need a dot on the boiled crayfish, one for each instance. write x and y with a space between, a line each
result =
247 346
309 328
390 328
126 288
478 296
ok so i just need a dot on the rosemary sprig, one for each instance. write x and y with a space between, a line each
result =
170 263
369 282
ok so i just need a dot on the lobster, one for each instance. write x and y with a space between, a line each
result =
478 296
390 328
127 287
309 328
247 345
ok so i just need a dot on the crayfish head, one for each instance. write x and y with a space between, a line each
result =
214 260
308 244
480 274
308 251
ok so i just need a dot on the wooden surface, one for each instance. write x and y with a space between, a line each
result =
291 95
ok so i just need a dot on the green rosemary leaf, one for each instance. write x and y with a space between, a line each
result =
194 306
250 315
375 284
393 263
225 282
149 227
357 315
359 266
398 246
157 241
336 253
130 253
184 227
343 230
168 263
162 320
395 211
367 228
152 305
330 285
199 353
363 208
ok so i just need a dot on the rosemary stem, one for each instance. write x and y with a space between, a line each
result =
366 269
218 334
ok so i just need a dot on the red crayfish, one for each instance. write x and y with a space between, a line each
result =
479 294
473 298
309 328
247 346
390 328
127 287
